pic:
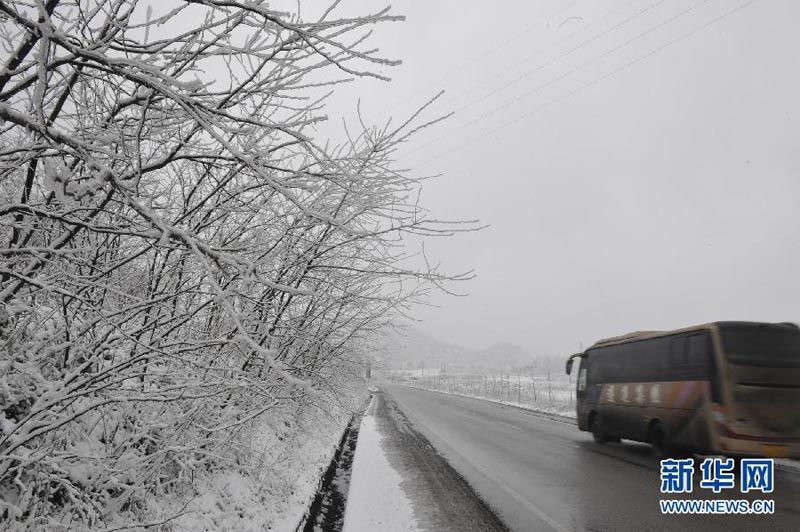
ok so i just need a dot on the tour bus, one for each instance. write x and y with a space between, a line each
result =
730 388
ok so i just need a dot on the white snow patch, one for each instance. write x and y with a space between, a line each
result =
376 501
272 488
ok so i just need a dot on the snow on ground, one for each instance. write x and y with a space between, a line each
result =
272 489
376 502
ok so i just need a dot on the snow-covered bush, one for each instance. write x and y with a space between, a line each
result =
179 256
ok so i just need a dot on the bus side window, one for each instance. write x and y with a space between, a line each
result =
678 352
698 350
711 371
594 368
582 380
651 360
689 357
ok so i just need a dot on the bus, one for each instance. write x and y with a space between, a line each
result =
729 388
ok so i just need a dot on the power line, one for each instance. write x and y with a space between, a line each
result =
568 52
482 56
589 84
559 78
536 54
568 73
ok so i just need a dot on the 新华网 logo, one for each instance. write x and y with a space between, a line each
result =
717 475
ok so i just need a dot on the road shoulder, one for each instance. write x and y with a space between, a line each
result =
400 482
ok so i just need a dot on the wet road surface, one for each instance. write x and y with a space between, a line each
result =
542 473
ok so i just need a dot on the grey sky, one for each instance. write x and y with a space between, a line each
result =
661 196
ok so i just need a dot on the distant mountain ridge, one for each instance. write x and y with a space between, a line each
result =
411 349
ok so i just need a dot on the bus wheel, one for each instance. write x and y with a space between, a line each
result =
658 439
597 430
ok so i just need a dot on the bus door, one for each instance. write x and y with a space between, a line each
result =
581 387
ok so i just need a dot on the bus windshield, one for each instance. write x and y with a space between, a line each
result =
763 345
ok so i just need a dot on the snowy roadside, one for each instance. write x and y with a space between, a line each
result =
272 489
375 500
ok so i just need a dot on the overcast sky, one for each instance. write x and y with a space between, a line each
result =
625 189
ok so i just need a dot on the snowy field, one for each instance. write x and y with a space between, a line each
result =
545 391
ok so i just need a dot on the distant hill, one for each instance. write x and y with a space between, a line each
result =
411 348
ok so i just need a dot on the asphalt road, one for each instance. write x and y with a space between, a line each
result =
541 473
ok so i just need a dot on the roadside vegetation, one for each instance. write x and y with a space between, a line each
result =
189 277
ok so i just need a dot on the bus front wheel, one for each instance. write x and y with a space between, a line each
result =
659 441
597 430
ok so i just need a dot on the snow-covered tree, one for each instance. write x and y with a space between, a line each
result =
179 253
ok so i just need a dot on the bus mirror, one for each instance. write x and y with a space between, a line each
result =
569 366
